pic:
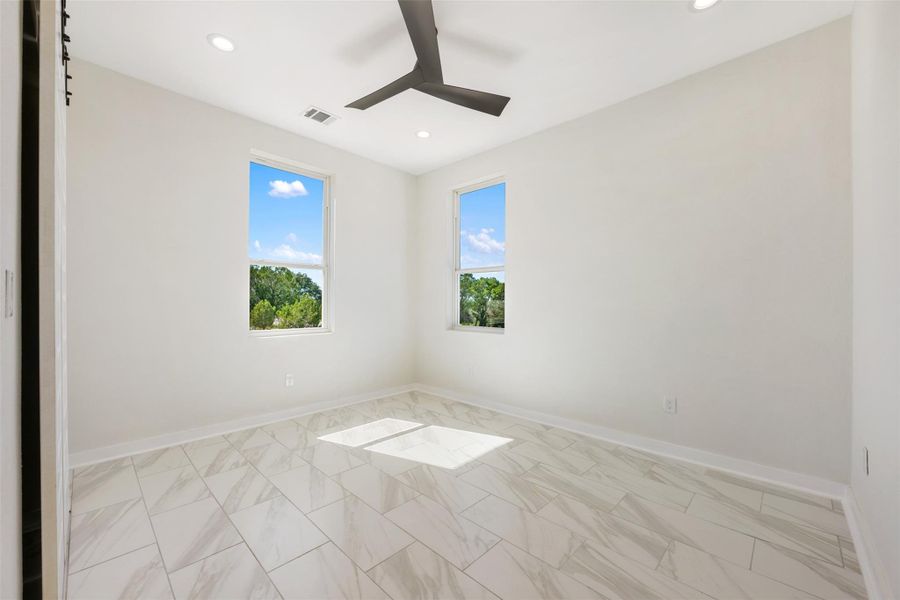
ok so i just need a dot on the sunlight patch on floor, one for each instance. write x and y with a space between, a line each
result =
440 446
369 432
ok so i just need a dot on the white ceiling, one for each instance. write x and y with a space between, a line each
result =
557 60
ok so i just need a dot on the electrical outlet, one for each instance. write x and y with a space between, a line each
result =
288 380
670 405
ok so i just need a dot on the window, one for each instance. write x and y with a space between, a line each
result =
479 273
288 248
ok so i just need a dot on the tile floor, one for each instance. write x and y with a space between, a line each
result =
437 499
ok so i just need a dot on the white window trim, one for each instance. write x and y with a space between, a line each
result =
456 271
327 266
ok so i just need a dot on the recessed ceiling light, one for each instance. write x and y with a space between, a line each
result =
704 4
220 42
423 134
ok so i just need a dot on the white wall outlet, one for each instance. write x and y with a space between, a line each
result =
670 405
288 380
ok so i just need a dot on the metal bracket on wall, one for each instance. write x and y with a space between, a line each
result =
65 49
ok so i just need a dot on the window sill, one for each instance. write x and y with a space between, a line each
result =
276 333
474 329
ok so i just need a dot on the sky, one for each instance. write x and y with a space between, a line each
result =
286 221
482 224
286 217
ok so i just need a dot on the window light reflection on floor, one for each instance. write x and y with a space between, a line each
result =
440 446
369 432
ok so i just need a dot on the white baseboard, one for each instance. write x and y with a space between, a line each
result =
737 466
877 584
96 455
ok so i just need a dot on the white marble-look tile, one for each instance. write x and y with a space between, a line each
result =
381 492
619 578
273 458
369 432
294 437
719 578
417 573
189 533
231 573
454 424
270 428
530 433
676 525
449 491
539 537
768 528
626 538
699 483
240 488
360 531
606 454
558 459
157 461
207 441
329 420
511 488
848 553
456 539
513 574
586 489
325 573
249 438
137 575
803 513
216 457
276 531
97 468
390 465
819 578
307 487
644 487
512 463
330 458
170 489
768 488
98 488
107 532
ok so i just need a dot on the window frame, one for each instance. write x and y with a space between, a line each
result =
457 270
326 266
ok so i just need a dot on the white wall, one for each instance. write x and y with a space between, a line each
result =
158 281
692 241
10 347
876 277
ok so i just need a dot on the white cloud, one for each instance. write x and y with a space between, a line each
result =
257 245
483 242
284 189
285 251
292 238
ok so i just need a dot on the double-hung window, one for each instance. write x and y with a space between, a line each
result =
480 256
288 247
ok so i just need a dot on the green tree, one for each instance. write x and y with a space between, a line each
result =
481 301
308 287
294 298
262 315
305 312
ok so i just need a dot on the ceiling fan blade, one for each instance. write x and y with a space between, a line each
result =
419 17
411 79
485 102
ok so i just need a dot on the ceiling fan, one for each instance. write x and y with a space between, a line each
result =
426 75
